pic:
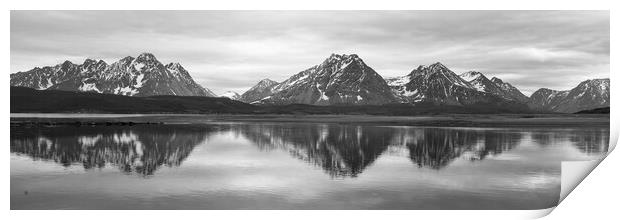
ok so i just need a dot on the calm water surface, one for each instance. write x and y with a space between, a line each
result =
293 166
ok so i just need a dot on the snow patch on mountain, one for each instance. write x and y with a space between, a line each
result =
128 91
88 87
471 75
231 95
138 66
139 81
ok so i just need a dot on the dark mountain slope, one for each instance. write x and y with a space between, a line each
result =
259 91
604 110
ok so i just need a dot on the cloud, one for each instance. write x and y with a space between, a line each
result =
232 50
541 55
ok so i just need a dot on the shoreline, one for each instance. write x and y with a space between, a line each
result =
443 120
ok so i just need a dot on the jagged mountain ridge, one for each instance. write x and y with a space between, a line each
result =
140 76
426 84
588 94
340 79
439 85
494 86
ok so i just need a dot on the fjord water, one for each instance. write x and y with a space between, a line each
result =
293 166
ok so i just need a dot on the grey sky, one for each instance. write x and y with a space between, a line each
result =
232 50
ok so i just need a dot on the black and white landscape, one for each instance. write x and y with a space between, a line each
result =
338 80
304 110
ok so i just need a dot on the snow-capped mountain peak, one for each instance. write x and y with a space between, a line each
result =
340 57
432 83
437 65
147 61
437 71
435 68
339 79
337 62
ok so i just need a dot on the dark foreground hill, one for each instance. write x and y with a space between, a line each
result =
390 109
27 100
604 110
48 101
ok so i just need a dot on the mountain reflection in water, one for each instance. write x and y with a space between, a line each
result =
340 150
136 149
436 147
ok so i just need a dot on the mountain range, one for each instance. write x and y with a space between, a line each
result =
338 80
438 84
589 94
140 76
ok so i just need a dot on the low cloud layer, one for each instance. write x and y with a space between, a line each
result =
232 50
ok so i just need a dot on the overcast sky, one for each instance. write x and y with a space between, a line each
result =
232 50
